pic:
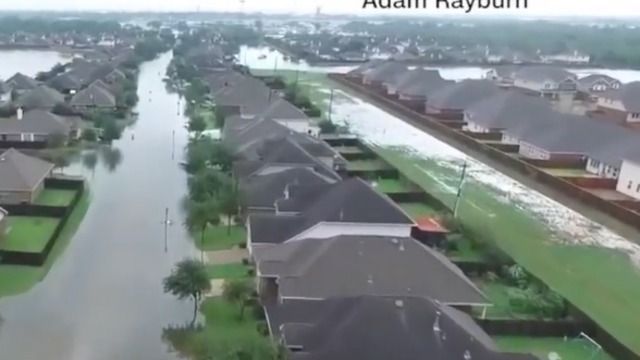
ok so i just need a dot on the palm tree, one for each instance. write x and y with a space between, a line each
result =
189 279
201 215
204 184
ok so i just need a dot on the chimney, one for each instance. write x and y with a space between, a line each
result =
19 113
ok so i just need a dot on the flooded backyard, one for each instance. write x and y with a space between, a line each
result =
601 277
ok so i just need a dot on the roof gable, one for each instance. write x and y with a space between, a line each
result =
21 172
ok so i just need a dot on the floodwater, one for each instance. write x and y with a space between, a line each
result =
378 127
103 298
28 62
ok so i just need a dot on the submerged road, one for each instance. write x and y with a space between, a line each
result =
103 298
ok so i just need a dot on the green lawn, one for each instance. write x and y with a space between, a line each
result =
601 282
55 197
498 295
570 349
569 172
465 249
228 271
208 115
365 165
389 186
218 238
19 279
418 210
28 233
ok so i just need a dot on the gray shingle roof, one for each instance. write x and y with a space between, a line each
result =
65 82
386 72
350 266
414 76
20 172
628 94
507 108
592 78
460 96
350 201
282 109
36 122
250 135
40 97
21 81
93 95
541 73
263 190
218 80
383 328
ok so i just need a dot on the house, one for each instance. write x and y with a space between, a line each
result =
385 73
37 125
219 80
606 158
349 265
562 137
570 58
506 108
359 71
412 77
380 328
65 83
629 178
598 83
107 73
451 101
263 190
290 116
547 81
623 104
348 207
248 98
281 153
3 229
21 177
40 97
503 76
21 83
94 96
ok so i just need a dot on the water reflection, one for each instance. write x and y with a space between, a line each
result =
90 160
251 57
180 340
111 157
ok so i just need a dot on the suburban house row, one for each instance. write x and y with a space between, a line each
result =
542 132
85 85
337 271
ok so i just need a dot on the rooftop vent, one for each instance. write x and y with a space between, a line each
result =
467 355
399 303
436 322
394 240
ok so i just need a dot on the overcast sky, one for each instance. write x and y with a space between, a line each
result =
608 8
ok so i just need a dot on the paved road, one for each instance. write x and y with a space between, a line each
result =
103 299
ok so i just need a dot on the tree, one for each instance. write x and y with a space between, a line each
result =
197 124
90 160
89 134
189 279
200 215
112 157
205 184
110 129
221 156
327 127
230 199
237 291
56 140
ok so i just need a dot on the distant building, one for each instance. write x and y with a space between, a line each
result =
574 58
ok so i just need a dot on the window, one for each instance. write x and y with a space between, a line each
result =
638 188
629 185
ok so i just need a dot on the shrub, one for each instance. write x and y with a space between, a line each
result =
63 110
89 134
7 111
327 127
313 112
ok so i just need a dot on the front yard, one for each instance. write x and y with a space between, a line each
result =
220 238
569 349
55 197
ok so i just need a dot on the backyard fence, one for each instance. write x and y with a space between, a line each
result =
440 130
8 257
579 321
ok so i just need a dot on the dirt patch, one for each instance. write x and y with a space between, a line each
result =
221 257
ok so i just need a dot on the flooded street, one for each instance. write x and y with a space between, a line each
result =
28 62
103 298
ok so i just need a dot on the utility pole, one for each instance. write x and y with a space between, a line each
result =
166 222
460 185
275 66
330 104
173 145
